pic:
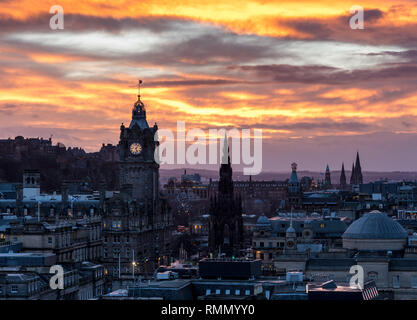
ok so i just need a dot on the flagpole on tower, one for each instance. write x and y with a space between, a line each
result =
139 83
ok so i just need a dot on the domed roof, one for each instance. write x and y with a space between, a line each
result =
290 230
375 225
263 221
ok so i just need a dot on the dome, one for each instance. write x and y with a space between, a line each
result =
290 230
263 222
375 231
375 225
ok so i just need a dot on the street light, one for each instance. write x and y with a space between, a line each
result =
133 264
133 269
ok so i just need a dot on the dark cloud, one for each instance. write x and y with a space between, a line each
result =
377 30
309 74
79 22
188 83
7 109
320 124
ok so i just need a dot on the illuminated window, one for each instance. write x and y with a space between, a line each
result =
322 225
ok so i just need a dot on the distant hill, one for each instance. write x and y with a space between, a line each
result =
368 176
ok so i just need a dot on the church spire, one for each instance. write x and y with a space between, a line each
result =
352 176
343 177
358 170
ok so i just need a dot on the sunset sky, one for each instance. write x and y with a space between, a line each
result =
319 90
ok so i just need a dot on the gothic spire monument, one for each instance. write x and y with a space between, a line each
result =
226 224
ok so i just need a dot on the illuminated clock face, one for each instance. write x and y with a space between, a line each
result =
135 148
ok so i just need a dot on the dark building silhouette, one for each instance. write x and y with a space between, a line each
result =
343 178
356 177
226 225
138 223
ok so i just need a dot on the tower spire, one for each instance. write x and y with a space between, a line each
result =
225 156
352 176
343 177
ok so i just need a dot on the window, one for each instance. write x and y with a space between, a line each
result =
247 292
116 224
396 281
217 291
373 276
267 294
227 291
116 252
49 240
414 281
13 289
237 292
322 225
208 291
261 244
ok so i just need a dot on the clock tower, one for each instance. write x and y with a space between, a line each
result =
137 146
